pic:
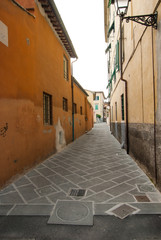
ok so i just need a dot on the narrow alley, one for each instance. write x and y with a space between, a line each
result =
93 173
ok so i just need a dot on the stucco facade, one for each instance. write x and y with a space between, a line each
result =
138 129
34 120
97 101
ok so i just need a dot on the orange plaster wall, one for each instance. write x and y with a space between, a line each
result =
32 63
84 122
79 120
89 122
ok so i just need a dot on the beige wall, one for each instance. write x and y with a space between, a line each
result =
142 71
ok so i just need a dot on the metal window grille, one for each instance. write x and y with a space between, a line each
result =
81 110
65 104
75 107
47 109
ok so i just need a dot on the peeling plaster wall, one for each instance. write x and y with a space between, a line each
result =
60 137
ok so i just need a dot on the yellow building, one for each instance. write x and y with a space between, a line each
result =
97 101
135 117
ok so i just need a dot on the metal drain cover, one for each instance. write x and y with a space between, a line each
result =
72 213
146 188
142 198
123 211
77 192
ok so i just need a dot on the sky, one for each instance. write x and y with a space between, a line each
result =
84 21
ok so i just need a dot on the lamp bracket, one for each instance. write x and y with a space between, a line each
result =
146 20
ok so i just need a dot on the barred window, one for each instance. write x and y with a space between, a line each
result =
65 62
81 110
75 108
65 104
47 109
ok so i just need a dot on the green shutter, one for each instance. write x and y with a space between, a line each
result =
108 48
109 3
112 27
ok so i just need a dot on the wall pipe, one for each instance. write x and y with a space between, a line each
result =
72 87
126 89
154 95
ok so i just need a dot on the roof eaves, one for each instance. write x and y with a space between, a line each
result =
57 22
80 87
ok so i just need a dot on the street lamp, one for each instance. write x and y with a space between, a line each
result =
121 7
148 20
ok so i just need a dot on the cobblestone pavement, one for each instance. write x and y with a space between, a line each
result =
95 162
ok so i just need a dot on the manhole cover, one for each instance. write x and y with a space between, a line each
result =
142 198
77 192
146 188
72 212
123 211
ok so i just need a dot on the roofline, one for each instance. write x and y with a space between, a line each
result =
78 85
50 6
94 92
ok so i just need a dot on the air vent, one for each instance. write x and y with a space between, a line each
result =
77 192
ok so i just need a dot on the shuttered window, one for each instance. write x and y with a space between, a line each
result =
65 63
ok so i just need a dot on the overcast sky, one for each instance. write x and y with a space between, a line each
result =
84 21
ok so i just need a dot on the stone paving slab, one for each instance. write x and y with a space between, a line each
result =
72 213
31 210
94 162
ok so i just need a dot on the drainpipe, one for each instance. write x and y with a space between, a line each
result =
126 89
154 95
72 86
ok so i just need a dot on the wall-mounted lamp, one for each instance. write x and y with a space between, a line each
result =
121 7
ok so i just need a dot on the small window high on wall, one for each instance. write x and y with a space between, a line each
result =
65 65
47 108
65 104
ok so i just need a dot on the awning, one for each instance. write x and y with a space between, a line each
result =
108 48
112 27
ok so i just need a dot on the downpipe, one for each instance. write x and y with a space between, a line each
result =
126 88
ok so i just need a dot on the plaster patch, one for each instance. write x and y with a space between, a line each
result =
60 137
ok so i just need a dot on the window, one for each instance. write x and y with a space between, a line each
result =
116 111
81 110
96 106
65 104
65 62
75 108
97 98
47 109
112 114
122 107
